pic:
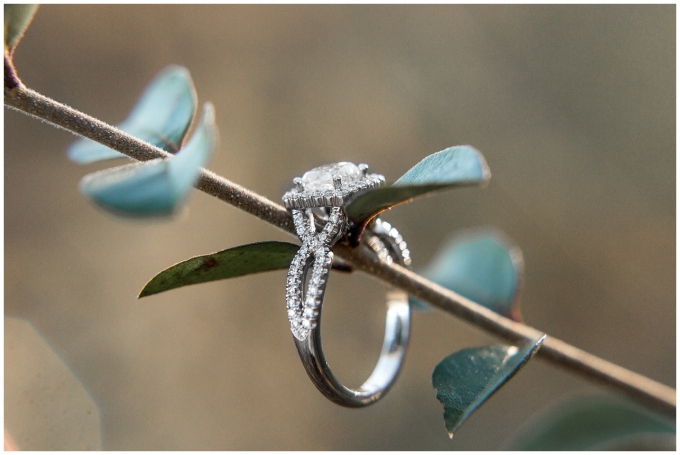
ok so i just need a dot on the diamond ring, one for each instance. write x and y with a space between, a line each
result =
317 204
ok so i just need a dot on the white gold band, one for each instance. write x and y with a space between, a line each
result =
304 307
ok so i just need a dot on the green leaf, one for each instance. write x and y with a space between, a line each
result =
466 379
418 305
161 117
456 166
483 266
597 423
154 188
230 263
17 19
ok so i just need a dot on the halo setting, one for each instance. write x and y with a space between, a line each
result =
331 185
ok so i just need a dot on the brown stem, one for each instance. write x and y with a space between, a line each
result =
652 393
11 78
636 386
30 102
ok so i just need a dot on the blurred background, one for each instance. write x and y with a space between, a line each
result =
572 106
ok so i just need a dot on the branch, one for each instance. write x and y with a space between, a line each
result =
638 387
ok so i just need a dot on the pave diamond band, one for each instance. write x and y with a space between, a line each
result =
314 202
388 243
303 311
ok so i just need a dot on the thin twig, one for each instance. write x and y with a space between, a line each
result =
638 387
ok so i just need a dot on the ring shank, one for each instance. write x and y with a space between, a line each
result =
397 327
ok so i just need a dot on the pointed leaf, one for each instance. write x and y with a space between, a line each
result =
483 266
597 423
154 188
161 117
466 379
17 19
230 263
456 166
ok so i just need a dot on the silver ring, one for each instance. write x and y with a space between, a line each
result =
316 204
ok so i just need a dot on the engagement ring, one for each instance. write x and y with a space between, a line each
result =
317 204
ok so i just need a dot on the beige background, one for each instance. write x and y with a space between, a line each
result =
573 108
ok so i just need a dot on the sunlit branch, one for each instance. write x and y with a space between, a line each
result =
643 389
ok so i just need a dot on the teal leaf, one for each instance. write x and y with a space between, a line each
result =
230 263
17 19
154 188
456 166
466 379
597 423
161 117
418 305
483 266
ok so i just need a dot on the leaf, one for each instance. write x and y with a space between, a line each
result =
640 442
466 379
483 266
597 423
161 117
456 166
17 19
154 188
418 305
230 263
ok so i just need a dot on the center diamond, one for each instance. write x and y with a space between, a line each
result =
321 178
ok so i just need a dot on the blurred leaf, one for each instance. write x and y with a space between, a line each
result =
153 188
418 304
17 19
597 423
466 379
456 166
639 442
242 260
161 117
483 266
47 406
